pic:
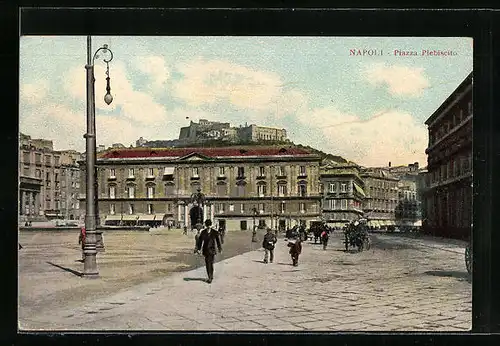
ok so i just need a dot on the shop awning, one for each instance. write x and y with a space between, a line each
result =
147 217
359 190
168 170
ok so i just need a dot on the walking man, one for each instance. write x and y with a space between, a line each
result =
324 237
295 250
81 240
207 242
268 244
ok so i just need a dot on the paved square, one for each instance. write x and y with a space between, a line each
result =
402 283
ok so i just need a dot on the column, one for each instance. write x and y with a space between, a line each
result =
25 199
212 212
186 215
31 201
179 213
204 213
21 211
37 203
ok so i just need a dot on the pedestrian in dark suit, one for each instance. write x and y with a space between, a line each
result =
295 250
206 243
268 244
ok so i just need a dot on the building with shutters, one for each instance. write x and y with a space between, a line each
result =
381 190
448 196
272 186
343 193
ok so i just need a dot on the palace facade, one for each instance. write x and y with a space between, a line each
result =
449 164
273 186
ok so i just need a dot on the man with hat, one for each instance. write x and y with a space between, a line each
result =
207 242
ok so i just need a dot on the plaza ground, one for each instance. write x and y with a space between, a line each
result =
153 281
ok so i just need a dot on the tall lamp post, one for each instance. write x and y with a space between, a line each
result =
90 269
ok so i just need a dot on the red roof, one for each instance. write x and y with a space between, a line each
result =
209 152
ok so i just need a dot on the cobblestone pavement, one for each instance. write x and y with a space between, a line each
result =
400 284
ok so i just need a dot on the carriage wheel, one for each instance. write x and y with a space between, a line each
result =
468 259
367 243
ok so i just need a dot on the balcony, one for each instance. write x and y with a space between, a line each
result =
221 177
261 177
131 177
281 176
241 177
112 178
150 177
195 177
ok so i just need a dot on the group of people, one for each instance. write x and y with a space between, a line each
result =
269 243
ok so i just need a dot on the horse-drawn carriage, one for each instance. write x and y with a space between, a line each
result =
356 235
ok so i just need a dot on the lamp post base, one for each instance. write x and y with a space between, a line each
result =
90 270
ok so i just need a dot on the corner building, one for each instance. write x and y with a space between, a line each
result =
271 186
449 164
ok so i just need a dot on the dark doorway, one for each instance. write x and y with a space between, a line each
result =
196 215
243 225
222 224
282 225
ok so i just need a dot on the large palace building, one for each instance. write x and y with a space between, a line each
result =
449 163
243 186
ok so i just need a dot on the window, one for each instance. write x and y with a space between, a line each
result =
302 189
150 209
112 209
261 208
77 205
151 172
194 172
302 207
47 176
168 171
220 208
282 207
302 170
195 188
56 176
240 190
343 204
131 209
242 208
331 187
221 189
38 173
131 191
241 172
47 160
343 187
63 183
281 190
26 157
169 189
26 171
112 173
261 190
130 172
262 171
231 207
38 158
56 158
221 171
151 192
281 171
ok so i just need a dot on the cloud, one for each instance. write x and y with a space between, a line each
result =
387 136
34 93
154 66
400 80
135 105
211 82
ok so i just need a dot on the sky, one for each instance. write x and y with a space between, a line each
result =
369 109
